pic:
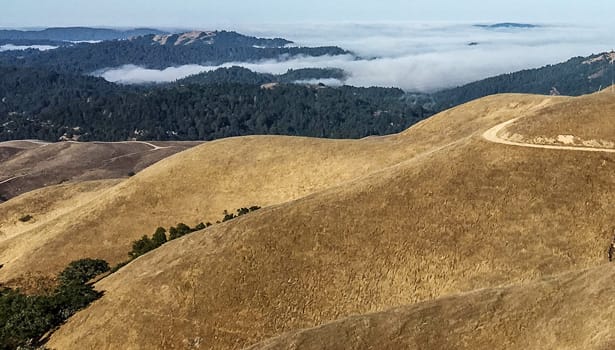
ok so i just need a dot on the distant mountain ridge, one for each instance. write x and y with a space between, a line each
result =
159 51
507 25
76 34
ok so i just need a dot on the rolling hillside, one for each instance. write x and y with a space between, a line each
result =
457 221
29 165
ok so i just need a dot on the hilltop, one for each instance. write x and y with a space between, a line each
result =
219 38
430 220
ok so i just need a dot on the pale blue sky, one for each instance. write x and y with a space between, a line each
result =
207 13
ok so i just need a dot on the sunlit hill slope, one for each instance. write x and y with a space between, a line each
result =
454 229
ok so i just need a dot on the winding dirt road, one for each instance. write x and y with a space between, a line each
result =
11 179
492 135
45 143
154 147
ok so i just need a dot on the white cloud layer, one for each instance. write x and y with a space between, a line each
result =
11 47
415 57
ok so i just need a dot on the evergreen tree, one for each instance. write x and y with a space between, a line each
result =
159 237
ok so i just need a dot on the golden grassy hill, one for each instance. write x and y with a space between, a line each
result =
570 311
43 207
199 184
29 165
46 204
432 212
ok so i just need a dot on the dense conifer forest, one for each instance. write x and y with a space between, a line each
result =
37 103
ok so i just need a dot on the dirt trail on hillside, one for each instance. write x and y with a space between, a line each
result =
492 135
45 143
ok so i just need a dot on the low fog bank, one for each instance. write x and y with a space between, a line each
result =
11 47
415 57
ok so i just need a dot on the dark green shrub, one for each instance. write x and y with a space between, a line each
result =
180 230
72 297
26 218
159 237
228 216
24 319
82 271
142 246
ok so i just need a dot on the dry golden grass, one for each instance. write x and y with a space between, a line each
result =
571 311
44 206
199 184
589 119
382 223
47 204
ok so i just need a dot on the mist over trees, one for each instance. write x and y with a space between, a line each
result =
37 103
50 96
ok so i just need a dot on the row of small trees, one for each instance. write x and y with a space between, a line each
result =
160 237
146 244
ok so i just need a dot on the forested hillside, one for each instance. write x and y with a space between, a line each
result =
36 103
577 76
245 76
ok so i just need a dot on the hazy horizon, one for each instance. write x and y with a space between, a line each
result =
138 13
415 45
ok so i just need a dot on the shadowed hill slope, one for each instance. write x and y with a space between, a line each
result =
28 165
570 311
440 211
